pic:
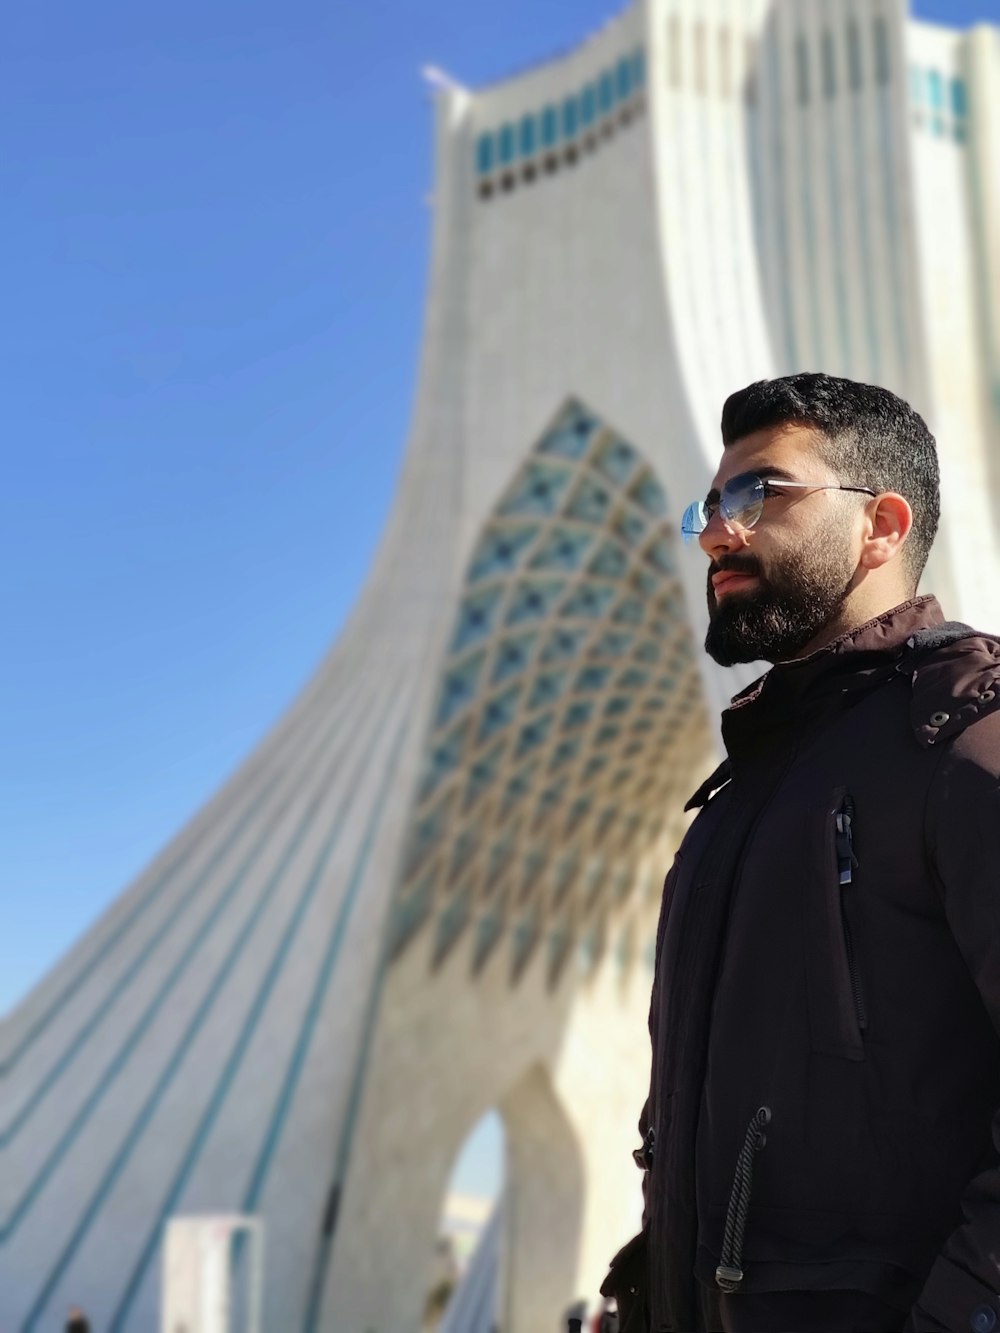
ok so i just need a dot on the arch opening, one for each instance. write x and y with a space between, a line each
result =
464 1288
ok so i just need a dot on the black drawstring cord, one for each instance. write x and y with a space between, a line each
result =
729 1273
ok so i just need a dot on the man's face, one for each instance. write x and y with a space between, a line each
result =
773 588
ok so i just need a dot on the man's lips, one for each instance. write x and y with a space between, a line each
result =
730 580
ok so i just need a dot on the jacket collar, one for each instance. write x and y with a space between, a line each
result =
794 693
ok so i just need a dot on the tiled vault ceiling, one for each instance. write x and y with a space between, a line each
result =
567 721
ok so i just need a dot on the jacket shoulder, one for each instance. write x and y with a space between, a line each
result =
955 686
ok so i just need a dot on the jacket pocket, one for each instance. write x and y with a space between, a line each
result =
837 1012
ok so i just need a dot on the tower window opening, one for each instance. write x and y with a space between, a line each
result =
700 60
606 93
883 66
589 143
674 38
528 173
551 164
550 126
801 70
484 154
854 53
507 182
588 104
570 115
505 146
916 86
623 78
527 136
485 190
935 89
959 99
570 156
639 69
829 66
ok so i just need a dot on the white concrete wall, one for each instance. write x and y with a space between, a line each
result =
949 282
580 1052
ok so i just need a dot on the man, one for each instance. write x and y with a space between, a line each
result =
826 1064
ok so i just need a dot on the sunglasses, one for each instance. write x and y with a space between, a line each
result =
741 501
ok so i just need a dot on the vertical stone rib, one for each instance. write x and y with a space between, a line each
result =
350 765
280 791
220 823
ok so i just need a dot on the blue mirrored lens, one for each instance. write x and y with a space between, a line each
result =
694 521
742 499
741 502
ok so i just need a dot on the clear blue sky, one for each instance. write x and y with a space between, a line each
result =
213 268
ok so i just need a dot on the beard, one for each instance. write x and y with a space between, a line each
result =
787 609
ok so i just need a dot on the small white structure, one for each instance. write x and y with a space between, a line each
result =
199 1274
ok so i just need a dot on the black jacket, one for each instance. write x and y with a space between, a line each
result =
826 1004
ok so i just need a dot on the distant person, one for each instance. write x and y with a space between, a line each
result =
575 1316
606 1319
77 1321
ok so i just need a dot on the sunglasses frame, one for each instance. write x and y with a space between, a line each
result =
700 512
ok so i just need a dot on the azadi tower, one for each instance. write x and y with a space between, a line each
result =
432 889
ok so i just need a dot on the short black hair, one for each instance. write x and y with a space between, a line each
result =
873 437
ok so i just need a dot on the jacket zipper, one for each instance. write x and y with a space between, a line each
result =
847 863
737 841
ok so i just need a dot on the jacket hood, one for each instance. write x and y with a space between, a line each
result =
954 672
954 684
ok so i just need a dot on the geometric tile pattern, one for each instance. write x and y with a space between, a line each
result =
567 683
538 142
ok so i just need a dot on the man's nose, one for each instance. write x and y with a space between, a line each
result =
722 536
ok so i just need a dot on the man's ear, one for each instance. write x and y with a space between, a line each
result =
889 519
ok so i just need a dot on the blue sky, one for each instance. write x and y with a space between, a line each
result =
213 274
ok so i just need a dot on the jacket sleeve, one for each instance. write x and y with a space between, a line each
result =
646 1115
963 845
627 1279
